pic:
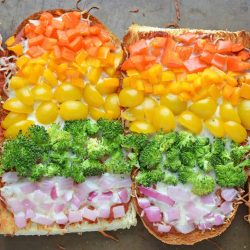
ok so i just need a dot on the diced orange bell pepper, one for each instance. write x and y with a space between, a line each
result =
227 91
38 40
83 28
224 47
67 54
236 65
138 61
94 30
103 52
156 51
72 34
57 24
62 38
127 64
76 44
57 52
35 51
245 91
210 47
171 59
71 19
194 65
219 61
92 51
206 57
244 55
158 42
104 36
187 37
237 47
184 52
49 43
49 31
46 17
139 47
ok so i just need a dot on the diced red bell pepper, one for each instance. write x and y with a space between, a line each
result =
67 54
171 59
139 62
219 61
57 24
187 38
62 38
195 65
94 30
76 44
71 19
171 44
224 47
57 52
199 46
83 28
127 65
210 47
237 47
140 47
49 43
235 64
206 56
244 55
158 42
184 52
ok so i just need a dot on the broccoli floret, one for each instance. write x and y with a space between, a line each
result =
38 171
202 184
81 127
21 154
92 168
150 156
185 174
229 175
61 159
60 140
96 148
188 158
134 141
110 129
38 134
186 140
165 141
237 153
170 179
172 161
148 178
117 164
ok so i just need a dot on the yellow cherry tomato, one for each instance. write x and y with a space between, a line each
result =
112 106
17 82
14 129
92 96
130 97
229 113
47 112
244 113
174 103
24 95
148 106
67 92
73 110
132 114
42 92
12 118
204 108
15 105
163 118
97 113
190 121
235 131
215 127
142 127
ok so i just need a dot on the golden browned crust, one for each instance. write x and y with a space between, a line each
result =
59 12
136 32
179 238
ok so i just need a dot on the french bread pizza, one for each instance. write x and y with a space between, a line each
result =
64 178
186 81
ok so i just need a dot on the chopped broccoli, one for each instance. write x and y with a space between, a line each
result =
202 184
38 134
237 153
185 174
110 129
229 175
92 168
165 141
37 172
134 141
117 164
81 127
150 156
186 140
188 158
172 161
170 179
148 178
21 154
96 148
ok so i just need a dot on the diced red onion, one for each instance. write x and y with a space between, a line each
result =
28 187
83 190
74 216
153 214
9 177
27 204
46 206
104 211
118 211
205 226
173 213
163 228
104 197
76 201
15 205
92 195
178 193
20 219
61 218
89 214
229 194
185 228
226 207
68 195
46 185
124 195
29 214
53 193
39 196
108 181
143 202
42 219
116 198
63 183
156 195
195 213
59 208
219 219
209 199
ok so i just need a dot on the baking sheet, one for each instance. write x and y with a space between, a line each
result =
118 15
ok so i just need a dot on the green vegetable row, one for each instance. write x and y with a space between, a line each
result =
86 148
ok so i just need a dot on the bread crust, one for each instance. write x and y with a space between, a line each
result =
179 238
136 32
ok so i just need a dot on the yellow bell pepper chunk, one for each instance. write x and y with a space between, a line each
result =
93 62
132 72
247 78
154 73
81 57
210 76
192 77
159 89
94 74
118 59
50 77
17 49
17 82
103 52
78 82
231 80
110 71
167 76
10 41
21 61
139 85
214 92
